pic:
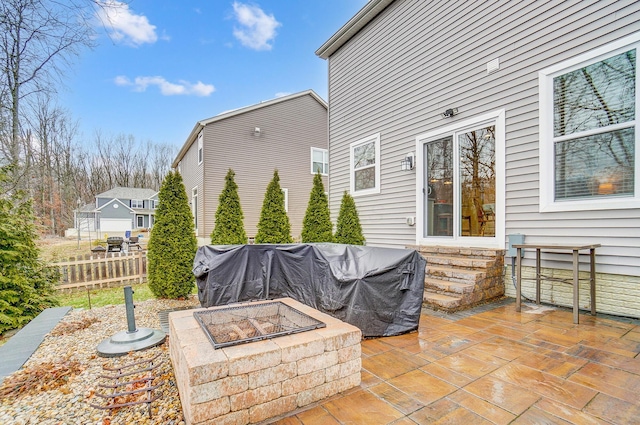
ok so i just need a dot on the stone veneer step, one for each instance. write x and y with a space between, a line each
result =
458 278
444 302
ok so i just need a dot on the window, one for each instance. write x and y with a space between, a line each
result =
588 136
194 207
200 137
285 192
137 203
154 204
319 161
365 166
140 221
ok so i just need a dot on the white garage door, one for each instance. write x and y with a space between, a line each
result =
115 224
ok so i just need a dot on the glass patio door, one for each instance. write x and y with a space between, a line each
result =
460 182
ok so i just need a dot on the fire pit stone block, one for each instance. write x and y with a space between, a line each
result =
252 382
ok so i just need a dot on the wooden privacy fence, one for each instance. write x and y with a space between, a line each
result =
109 269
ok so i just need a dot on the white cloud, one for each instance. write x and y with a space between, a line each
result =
282 94
167 88
257 29
124 24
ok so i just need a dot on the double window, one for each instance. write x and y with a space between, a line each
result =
588 132
319 161
137 203
365 166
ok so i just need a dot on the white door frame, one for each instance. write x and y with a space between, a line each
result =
497 241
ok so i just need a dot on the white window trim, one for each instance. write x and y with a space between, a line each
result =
496 241
194 207
376 189
200 148
138 202
325 152
285 192
547 169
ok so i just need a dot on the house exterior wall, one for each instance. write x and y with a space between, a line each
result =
416 59
288 131
121 212
192 175
101 201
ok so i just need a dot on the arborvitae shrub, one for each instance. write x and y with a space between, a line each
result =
229 227
317 226
173 244
348 229
274 226
27 284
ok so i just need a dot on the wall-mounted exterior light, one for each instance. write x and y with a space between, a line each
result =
449 112
408 163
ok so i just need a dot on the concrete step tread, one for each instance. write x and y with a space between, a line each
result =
480 263
442 301
448 285
442 297
480 253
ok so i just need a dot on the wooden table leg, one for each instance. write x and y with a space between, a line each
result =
592 280
518 280
576 286
538 271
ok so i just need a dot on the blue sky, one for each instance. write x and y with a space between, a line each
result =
162 65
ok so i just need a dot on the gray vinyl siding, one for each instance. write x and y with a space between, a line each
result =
192 175
288 131
416 59
120 212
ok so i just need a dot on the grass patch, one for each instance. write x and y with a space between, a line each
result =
104 296
101 297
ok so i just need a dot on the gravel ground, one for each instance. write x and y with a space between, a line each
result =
70 403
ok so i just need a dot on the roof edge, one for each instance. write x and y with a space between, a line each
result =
202 123
355 24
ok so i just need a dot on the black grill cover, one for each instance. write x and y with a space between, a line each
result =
379 290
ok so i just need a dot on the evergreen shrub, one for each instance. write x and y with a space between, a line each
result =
229 226
273 226
348 228
317 226
172 245
27 284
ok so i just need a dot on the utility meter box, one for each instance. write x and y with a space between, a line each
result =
515 239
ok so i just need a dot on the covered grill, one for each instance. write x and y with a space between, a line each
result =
114 243
254 322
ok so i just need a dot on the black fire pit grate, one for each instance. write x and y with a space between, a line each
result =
248 323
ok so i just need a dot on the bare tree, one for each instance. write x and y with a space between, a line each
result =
38 40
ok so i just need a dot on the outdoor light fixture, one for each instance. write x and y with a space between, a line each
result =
256 131
407 163
449 112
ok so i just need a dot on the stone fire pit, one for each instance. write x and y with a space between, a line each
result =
255 381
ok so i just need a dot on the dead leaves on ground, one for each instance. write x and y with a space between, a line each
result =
42 377
65 328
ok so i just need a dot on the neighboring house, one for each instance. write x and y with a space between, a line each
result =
288 134
118 210
519 117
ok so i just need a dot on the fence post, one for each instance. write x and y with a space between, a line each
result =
140 268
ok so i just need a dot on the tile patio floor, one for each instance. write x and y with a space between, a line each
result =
494 367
